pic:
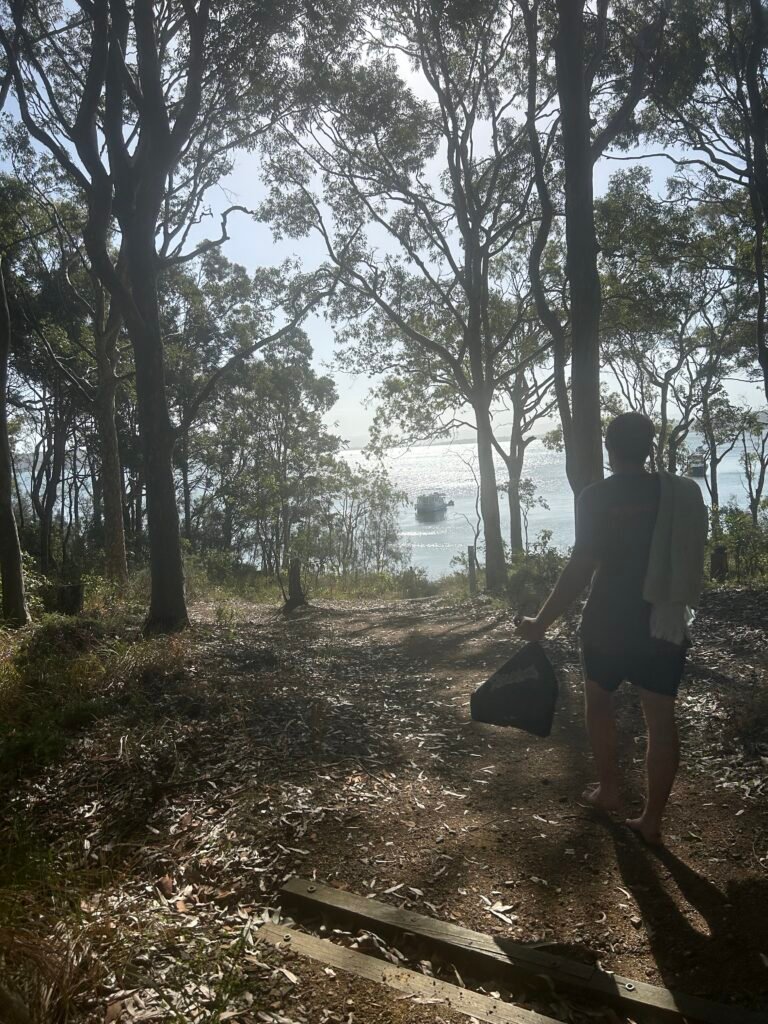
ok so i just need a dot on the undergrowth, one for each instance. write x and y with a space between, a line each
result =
63 673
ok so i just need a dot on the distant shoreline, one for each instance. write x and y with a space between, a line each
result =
358 447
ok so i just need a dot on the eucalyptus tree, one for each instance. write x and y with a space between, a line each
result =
261 454
71 293
50 368
216 317
14 603
721 424
675 305
353 528
754 460
589 67
711 111
143 106
419 398
416 176
529 401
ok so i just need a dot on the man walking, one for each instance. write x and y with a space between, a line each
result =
640 539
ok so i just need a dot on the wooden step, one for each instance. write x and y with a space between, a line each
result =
449 997
500 957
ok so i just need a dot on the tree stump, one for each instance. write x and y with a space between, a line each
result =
69 598
296 596
718 563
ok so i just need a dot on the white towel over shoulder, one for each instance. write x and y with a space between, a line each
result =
675 572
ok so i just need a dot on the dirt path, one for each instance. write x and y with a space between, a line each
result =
337 743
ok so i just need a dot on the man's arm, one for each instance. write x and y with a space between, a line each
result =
573 579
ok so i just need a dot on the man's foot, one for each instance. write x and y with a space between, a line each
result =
597 798
649 832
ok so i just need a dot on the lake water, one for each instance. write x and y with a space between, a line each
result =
443 467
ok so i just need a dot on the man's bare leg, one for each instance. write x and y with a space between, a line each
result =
601 729
661 761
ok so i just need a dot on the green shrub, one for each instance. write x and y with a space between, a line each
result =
414 582
532 575
62 673
745 541
51 677
216 576
35 584
106 599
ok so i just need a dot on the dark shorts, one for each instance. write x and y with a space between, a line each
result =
657 668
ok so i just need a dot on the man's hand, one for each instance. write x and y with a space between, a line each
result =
531 629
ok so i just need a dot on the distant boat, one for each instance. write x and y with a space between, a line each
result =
697 466
433 504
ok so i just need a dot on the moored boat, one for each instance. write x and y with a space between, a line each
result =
432 504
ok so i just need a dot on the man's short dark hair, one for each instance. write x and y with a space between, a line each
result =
630 437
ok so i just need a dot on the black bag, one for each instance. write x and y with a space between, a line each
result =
522 693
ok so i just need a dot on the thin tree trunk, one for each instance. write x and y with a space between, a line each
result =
714 462
760 312
495 568
515 516
586 463
757 164
714 488
185 488
115 561
15 611
662 439
227 530
138 511
17 489
94 471
48 506
672 456
514 461
63 531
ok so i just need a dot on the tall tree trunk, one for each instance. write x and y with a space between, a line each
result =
167 611
167 605
586 461
495 567
15 612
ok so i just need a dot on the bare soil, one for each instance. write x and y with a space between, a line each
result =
336 743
